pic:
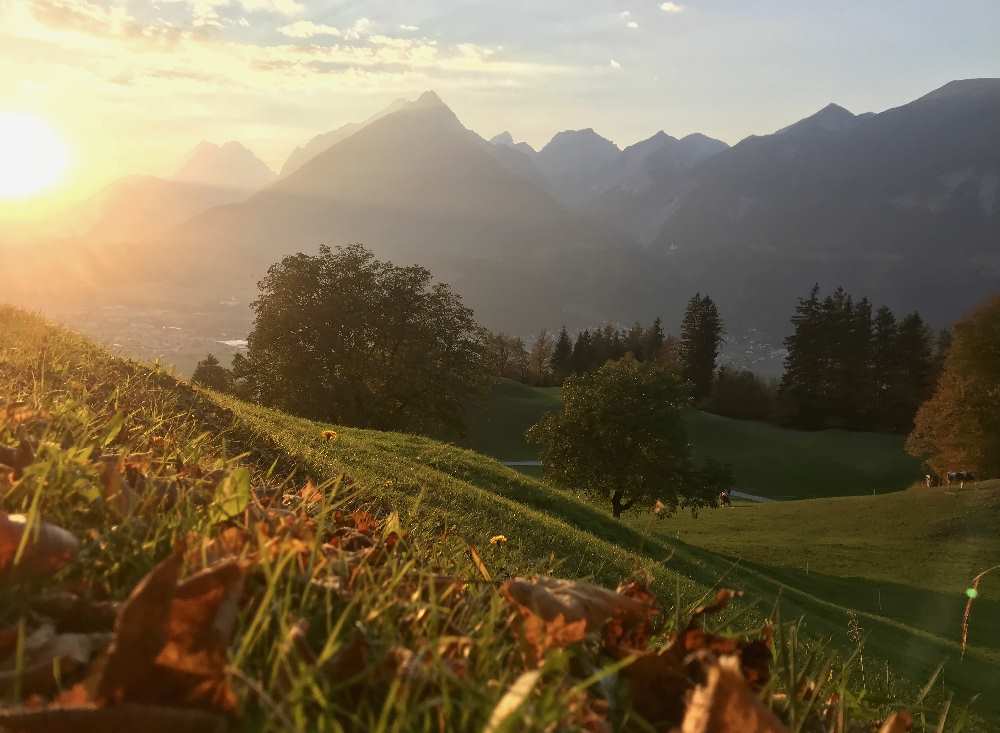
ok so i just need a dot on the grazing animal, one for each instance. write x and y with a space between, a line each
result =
961 477
725 498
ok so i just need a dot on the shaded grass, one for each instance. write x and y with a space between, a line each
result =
767 460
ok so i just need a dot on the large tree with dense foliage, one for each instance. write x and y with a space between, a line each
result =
345 337
701 337
620 436
959 427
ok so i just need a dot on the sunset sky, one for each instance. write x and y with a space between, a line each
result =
131 86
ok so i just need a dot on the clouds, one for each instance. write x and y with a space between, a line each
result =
308 29
672 7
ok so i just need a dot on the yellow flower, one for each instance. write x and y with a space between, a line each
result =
498 540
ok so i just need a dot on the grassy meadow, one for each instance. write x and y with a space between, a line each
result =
767 460
896 564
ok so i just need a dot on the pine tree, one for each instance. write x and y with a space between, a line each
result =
562 356
885 368
802 385
701 336
915 355
583 353
652 340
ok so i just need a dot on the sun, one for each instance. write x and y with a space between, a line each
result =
33 157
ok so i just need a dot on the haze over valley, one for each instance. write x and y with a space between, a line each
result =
582 231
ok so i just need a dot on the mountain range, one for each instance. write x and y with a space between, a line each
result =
902 206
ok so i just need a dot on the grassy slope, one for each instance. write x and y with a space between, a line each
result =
480 497
901 559
767 460
447 492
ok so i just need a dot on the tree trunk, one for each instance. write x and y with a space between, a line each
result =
618 506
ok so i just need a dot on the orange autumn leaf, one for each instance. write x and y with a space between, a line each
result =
573 600
44 550
171 640
901 722
725 703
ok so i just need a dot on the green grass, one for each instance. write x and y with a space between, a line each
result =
449 496
767 460
902 561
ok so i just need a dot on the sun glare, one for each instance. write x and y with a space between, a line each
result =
33 156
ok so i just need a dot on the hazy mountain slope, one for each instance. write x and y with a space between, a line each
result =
321 143
903 206
634 195
573 162
231 165
418 187
140 207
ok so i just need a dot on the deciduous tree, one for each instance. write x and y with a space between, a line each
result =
344 337
620 436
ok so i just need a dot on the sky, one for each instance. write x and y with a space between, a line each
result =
132 86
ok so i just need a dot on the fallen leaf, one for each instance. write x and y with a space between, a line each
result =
309 494
573 600
726 704
900 722
46 549
50 661
190 670
140 633
512 700
125 718
539 635
17 459
72 613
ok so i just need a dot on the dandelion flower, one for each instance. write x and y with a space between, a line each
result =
498 540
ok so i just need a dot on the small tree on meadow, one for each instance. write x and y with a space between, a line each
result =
620 435
210 373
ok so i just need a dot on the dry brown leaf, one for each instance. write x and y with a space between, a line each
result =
539 635
573 600
512 700
50 660
72 613
125 718
116 490
140 633
48 547
726 704
17 459
900 722
658 683
309 494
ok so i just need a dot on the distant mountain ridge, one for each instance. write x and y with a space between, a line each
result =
231 165
902 206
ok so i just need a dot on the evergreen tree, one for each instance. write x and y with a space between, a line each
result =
885 368
652 340
634 341
915 355
701 336
583 353
562 356
210 373
802 385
